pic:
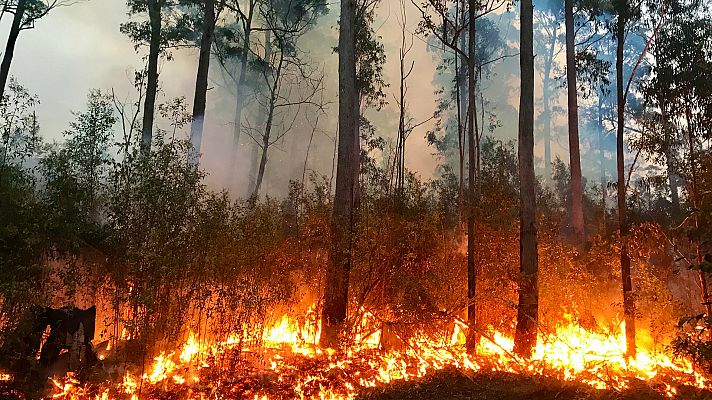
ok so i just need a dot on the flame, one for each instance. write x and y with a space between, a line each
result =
568 352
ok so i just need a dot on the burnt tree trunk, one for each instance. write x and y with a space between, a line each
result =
15 29
336 290
201 80
528 307
149 105
574 152
628 301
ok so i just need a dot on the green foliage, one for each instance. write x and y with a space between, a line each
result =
18 125
177 26
24 238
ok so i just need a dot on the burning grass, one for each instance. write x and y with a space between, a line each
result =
569 362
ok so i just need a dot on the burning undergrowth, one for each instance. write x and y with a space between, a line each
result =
198 296
288 365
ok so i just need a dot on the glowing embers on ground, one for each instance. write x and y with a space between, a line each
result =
294 367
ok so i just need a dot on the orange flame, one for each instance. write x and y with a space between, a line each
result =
570 352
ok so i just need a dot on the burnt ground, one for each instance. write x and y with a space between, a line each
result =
455 385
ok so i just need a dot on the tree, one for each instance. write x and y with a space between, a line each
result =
528 307
336 290
165 28
678 99
211 12
572 100
623 10
291 81
548 35
405 123
233 49
25 15
448 34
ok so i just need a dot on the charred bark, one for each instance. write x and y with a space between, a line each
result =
528 307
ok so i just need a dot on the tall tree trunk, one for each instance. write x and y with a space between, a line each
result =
336 290
528 307
201 79
149 105
628 301
574 152
460 144
10 46
461 115
239 95
472 337
400 147
547 106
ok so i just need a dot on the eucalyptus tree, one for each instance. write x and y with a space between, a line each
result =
166 27
573 120
625 13
210 11
528 308
677 119
361 84
336 286
291 81
234 48
547 39
437 20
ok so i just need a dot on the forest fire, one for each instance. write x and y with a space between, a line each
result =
356 203
294 367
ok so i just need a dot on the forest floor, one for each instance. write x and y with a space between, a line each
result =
452 384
